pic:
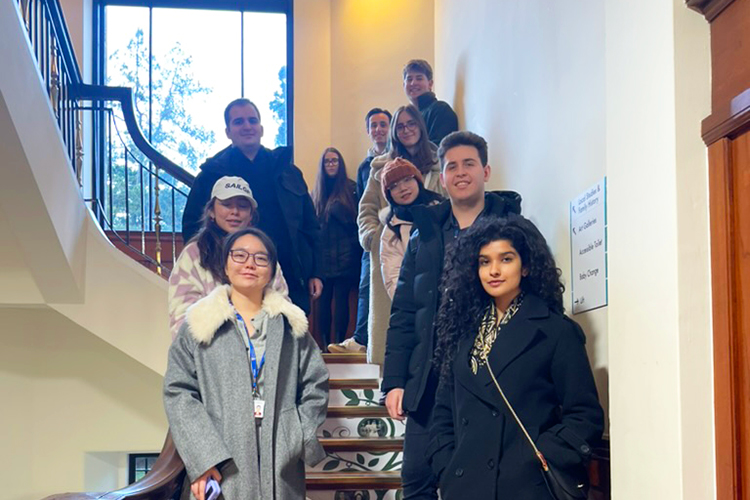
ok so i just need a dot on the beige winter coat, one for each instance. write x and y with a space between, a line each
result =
370 231
392 250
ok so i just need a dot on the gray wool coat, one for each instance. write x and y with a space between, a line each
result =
209 403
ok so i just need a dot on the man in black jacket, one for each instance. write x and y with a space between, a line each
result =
439 117
378 123
408 376
285 209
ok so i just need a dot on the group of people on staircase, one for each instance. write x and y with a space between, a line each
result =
459 301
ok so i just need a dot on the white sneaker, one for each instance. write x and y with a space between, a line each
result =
348 345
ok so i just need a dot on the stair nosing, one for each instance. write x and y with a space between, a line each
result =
353 383
357 411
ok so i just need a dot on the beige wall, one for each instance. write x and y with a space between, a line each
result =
566 94
66 394
349 57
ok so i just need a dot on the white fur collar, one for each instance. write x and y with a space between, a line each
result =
208 314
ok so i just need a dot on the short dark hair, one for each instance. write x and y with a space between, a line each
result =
377 111
273 256
239 102
462 138
418 66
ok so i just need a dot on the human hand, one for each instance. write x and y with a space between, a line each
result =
394 403
198 487
316 287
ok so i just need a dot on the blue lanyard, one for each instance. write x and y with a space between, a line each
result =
253 360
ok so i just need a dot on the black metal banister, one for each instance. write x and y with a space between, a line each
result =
124 95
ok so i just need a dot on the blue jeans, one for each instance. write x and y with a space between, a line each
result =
363 301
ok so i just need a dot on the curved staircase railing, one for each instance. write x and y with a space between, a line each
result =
137 192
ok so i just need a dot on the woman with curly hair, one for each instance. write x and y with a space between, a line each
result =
501 323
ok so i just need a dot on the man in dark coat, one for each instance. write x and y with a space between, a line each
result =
378 123
439 117
285 210
408 377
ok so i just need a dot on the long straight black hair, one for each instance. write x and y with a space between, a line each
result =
325 193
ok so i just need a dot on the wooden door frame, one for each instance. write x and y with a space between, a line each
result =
730 117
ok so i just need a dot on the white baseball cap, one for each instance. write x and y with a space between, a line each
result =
229 187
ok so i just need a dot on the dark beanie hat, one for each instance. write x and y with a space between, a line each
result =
398 169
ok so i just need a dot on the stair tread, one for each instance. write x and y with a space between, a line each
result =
354 383
357 411
351 480
363 444
345 358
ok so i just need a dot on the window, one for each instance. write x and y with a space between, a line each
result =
139 464
185 64
185 61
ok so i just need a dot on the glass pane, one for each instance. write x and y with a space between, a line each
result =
194 77
265 72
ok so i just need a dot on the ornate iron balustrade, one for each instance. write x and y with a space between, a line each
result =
138 194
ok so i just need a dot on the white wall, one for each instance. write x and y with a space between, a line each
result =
568 93
67 394
529 76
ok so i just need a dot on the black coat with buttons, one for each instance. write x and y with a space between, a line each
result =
477 449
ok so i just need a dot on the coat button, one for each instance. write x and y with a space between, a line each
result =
459 472
490 464
585 449
464 421
495 413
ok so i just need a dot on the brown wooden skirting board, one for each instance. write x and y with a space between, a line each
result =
349 358
354 383
353 480
362 444
357 411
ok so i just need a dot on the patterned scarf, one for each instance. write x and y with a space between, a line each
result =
488 330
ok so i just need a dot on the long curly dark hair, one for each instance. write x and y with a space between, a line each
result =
464 300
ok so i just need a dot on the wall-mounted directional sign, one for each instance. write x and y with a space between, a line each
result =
588 241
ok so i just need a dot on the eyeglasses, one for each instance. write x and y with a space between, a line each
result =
401 182
411 125
240 257
331 161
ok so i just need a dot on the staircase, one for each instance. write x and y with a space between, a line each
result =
363 445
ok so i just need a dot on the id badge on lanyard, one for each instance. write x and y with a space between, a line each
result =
259 406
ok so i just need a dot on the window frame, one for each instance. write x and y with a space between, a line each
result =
286 7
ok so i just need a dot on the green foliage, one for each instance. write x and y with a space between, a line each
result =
278 107
171 131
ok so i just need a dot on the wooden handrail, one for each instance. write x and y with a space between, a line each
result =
124 95
161 483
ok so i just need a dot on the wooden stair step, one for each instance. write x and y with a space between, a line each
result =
362 444
353 480
354 383
345 358
357 411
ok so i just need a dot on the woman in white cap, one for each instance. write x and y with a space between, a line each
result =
200 267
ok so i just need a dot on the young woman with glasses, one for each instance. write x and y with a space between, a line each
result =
200 267
246 386
335 200
409 140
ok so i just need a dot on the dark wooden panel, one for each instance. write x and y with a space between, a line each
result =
730 53
741 187
722 281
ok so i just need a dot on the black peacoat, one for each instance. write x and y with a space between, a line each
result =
477 449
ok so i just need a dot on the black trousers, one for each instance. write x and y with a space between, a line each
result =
417 478
334 305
